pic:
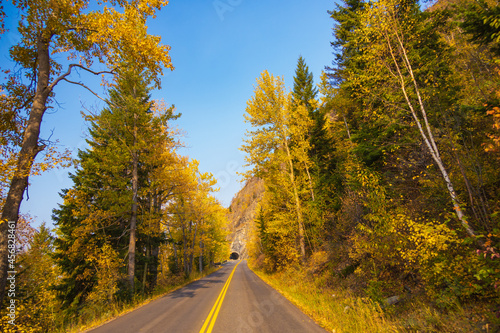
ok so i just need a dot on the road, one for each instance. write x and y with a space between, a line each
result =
232 300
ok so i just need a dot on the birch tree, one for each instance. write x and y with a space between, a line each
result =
388 25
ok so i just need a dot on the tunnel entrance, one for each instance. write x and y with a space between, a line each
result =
234 256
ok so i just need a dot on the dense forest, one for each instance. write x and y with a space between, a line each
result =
384 177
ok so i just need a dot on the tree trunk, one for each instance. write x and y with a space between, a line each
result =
176 257
200 259
133 218
297 205
184 250
29 150
201 254
425 130
174 246
347 128
310 181
155 249
145 274
191 252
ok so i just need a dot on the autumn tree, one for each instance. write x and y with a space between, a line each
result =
493 146
407 111
89 36
277 148
388 27
475 65
196 221
37 276
115 187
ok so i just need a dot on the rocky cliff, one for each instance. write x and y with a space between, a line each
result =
241 215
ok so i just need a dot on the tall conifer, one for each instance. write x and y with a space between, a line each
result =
105 206
304 91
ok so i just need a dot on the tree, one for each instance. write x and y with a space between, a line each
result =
320 174
481 20
196 221
115 193
347 20
35 283
127 128
87 36
407 111
388 25
278 144
304 91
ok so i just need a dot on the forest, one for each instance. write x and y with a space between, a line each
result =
139 219
382 179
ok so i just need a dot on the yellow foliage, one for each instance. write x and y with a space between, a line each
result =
426 240
495 112
8 158
108 266
278 149
388 238
24 322
52 158
494 145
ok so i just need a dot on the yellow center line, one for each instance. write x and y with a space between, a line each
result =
212 316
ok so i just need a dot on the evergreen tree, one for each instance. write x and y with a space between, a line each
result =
481 20
320 142
347 20
112 194
304 91
278 149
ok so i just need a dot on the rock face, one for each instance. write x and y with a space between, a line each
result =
241 215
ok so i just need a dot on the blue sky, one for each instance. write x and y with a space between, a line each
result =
219 48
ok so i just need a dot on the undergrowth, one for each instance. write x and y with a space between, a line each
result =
339 309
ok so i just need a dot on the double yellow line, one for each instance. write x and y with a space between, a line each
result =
212 316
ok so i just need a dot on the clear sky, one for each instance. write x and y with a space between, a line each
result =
219 48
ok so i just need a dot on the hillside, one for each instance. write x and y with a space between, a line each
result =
241 215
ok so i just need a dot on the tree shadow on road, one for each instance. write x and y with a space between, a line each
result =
190 290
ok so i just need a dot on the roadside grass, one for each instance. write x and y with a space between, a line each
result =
338 310
334 310
97 315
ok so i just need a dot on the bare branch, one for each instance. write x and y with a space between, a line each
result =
93 72
68 72
81 84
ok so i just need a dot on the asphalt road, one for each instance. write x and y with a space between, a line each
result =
232 300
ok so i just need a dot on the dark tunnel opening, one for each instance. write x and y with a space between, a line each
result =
234 256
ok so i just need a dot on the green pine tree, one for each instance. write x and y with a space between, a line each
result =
304 91
112 208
